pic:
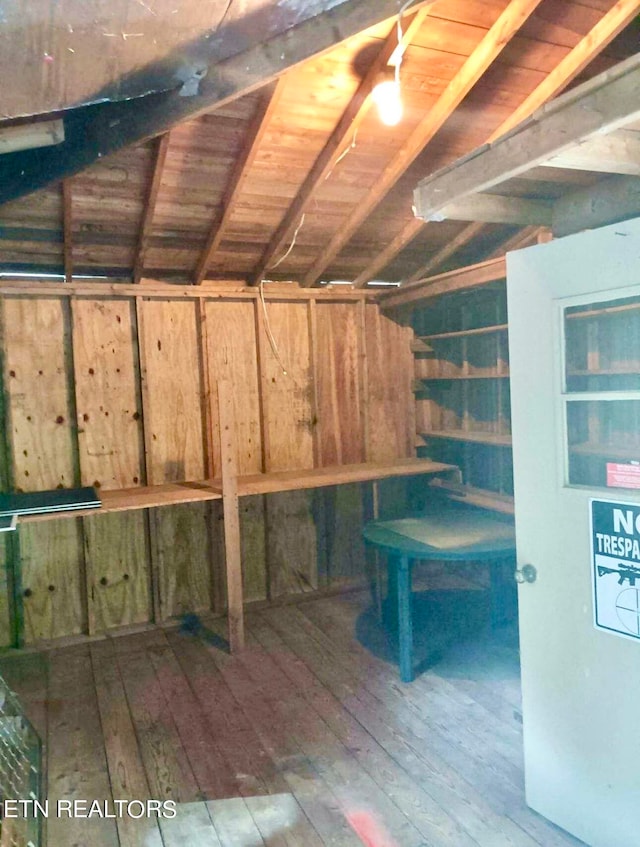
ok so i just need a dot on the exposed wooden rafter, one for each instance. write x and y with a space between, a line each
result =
573 63
404 237
338 140
461 279
242 166
96 131
162 146
604 104
67 229
461 239
523 238
611 200
509 22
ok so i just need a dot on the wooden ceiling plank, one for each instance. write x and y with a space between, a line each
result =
255 134
508 23
67 229
338 141
404 237
446 252
99 130
162 146
615 20
604 104
617 153
461 279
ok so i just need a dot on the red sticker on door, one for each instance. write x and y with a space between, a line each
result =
623 476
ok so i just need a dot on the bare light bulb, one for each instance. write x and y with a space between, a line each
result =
386 96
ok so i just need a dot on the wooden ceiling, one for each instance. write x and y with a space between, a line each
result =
299 180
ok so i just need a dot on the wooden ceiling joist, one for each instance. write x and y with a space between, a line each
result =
523 238
446 252
604 104
67 229
461 279
162 146
404 237
611 200
493 208
255 134
508 23
573 63
338 140
98 130
617 153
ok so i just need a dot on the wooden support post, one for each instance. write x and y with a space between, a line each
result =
231 511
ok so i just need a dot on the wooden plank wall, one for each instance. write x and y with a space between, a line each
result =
119 390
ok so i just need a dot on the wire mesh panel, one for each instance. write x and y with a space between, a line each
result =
20 774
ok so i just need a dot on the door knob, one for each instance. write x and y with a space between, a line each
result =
527 573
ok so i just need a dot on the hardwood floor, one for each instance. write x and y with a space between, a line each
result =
303 740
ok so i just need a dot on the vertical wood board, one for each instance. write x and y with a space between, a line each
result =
107 393
118 573
231 355
289 407
291 543
338 383
181 538
173 397
38 385
52 579
391 401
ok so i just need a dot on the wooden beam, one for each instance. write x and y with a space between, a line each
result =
609 201
231 515
461 239
575 61
603 104
459 280
622 13
497 209
67 228
162 146
404 237
31 136
255 134
337 142
509 22
261 55
616 153
523 238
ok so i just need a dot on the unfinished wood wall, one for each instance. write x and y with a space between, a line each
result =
119 391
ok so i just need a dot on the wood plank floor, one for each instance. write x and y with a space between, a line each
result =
301 741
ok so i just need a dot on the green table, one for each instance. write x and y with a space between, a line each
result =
451 533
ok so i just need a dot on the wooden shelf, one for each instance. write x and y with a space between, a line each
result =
464 333
481 497
461 376
171 494
606 451
492 438
605 372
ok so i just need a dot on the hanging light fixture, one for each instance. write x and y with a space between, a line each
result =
386 96
386 92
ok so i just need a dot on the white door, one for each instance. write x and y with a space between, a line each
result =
574 338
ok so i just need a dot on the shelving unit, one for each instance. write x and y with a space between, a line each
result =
602 344
463 405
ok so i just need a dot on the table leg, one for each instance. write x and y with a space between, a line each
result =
405 621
